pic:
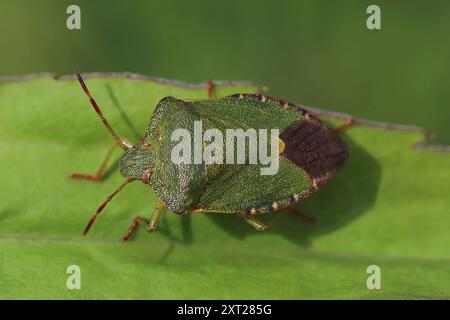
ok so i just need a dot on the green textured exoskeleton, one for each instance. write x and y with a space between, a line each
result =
308 154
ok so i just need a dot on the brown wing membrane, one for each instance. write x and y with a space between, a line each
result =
315 148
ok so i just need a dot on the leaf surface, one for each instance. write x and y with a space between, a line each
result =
389 206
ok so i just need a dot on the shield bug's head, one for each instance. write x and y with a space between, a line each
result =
137 162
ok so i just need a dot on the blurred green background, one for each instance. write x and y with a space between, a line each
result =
318 53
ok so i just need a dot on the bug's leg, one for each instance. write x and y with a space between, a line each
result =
347 123
210 88
150 225
255 223
309 218
100 172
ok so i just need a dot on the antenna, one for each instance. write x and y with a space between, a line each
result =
100 114
103 205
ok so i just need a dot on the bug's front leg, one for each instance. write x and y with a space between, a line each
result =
149 225
255 223
100 172
96 177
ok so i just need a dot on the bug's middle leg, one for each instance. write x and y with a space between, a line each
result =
209 88
149 224
255 223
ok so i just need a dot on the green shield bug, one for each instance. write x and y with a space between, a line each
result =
307 153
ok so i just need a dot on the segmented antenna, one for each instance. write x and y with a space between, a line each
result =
103 205
100 114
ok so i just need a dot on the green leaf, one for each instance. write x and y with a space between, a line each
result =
389 206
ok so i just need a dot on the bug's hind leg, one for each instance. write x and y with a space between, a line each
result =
346 124
149 224
100 172
307 217
255 223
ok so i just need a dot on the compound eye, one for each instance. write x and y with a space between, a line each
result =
145 178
